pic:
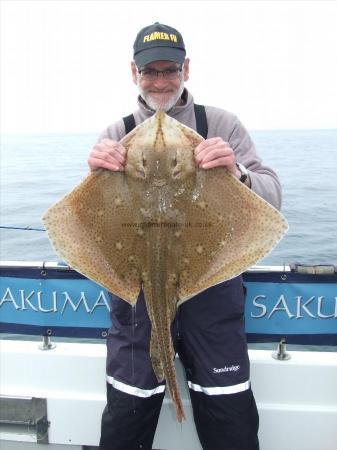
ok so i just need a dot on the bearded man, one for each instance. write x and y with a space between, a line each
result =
208 331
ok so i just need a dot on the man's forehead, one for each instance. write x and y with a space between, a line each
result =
161 65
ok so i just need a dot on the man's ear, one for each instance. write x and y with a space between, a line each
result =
186 69
134 71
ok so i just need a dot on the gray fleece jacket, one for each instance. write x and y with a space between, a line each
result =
226 125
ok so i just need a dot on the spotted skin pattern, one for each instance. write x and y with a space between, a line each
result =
163 225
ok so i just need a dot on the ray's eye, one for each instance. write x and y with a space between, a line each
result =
176 168
140 167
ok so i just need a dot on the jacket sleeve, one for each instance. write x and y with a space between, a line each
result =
264 180
116 132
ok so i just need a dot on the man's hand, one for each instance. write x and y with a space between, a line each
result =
107 154
215 152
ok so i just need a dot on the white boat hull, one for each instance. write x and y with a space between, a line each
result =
297 399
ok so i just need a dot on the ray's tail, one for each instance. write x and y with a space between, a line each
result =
162 357
159 285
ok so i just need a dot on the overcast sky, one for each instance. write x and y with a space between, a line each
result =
65 65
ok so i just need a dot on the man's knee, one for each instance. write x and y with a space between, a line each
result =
129 422
226 422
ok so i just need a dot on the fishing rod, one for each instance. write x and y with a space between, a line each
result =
27 228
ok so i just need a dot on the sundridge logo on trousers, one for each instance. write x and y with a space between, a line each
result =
226 369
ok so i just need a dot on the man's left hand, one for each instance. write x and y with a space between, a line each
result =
215 152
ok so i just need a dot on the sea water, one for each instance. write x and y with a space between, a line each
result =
37 170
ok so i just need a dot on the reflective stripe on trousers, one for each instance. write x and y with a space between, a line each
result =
145 393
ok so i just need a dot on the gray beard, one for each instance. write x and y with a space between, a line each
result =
162 106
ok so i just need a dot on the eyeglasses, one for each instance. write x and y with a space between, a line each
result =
152 74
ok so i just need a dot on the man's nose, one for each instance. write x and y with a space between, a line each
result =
160 80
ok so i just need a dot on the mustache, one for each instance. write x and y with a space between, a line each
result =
160 91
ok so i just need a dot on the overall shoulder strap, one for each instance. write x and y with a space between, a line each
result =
200 117
129 123
201 120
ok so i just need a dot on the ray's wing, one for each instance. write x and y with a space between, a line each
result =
229 228
91 228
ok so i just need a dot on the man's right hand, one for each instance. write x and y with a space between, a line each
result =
107 154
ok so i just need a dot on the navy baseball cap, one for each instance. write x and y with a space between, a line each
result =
158 42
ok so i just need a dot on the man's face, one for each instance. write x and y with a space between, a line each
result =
160 93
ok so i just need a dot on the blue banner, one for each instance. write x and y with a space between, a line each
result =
301 308
71 307
304 313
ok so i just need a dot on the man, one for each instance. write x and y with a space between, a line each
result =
208 331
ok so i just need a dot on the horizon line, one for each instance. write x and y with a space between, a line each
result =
65 132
